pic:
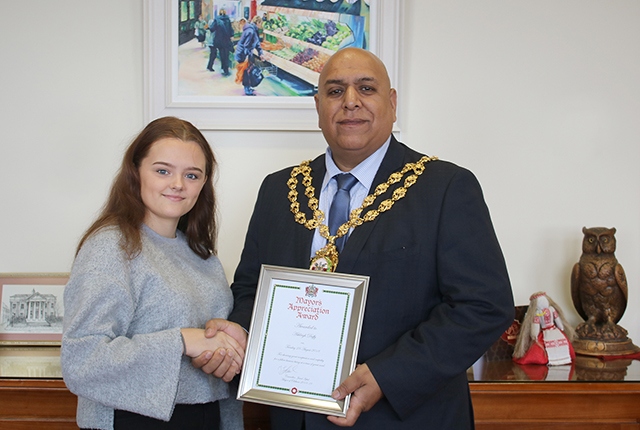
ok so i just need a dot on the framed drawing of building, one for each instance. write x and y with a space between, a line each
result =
32 308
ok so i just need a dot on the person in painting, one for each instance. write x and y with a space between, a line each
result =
144 282
439 293
200 30
210 43
222 40
246 48
545 336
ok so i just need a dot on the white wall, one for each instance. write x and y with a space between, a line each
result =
540 99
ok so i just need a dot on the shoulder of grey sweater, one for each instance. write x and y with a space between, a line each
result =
106 239
102 254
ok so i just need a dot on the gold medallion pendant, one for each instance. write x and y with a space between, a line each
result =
326 258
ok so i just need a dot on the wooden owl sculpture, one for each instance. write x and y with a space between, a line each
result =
599 287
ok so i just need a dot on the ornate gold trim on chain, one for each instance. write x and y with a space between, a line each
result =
326 259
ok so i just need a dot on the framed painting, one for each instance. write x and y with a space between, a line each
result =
183 69
32 308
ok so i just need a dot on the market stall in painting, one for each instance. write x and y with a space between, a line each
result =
300 35
297 38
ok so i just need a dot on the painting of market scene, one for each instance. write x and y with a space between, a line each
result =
263 47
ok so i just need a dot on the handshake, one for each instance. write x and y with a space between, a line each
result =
217 349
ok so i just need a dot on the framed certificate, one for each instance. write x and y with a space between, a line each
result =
303 339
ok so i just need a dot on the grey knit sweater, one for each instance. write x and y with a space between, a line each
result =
121 344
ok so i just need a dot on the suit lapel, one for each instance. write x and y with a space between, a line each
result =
392 162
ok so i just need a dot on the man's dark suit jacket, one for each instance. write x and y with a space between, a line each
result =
439 293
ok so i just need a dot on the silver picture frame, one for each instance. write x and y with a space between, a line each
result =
303 338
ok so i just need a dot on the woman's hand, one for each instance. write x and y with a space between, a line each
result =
196 343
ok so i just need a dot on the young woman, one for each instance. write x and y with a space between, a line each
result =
143 284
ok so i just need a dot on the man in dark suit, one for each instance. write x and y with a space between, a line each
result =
439 293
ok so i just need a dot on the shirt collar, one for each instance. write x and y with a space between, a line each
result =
365 172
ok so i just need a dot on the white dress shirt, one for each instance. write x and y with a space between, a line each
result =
364 172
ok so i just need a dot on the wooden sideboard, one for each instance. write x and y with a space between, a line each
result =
32 404
47 404
596 396
556 405
588 394
27 404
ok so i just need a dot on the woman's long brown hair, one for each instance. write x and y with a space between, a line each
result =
125 210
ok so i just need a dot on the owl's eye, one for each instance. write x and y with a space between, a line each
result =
591 240
605 239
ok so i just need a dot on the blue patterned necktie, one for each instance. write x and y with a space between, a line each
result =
339 211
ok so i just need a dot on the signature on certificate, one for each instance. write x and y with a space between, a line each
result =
287 370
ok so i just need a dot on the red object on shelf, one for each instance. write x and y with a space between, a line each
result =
253 9
634 356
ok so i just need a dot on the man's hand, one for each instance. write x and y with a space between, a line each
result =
366 393
223 363
232 329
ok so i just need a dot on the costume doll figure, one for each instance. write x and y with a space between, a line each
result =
544 336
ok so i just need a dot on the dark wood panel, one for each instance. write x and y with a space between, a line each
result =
256 416
534 405
556 425
26 424
44 399
47 404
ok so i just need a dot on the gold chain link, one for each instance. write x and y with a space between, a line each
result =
355 218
